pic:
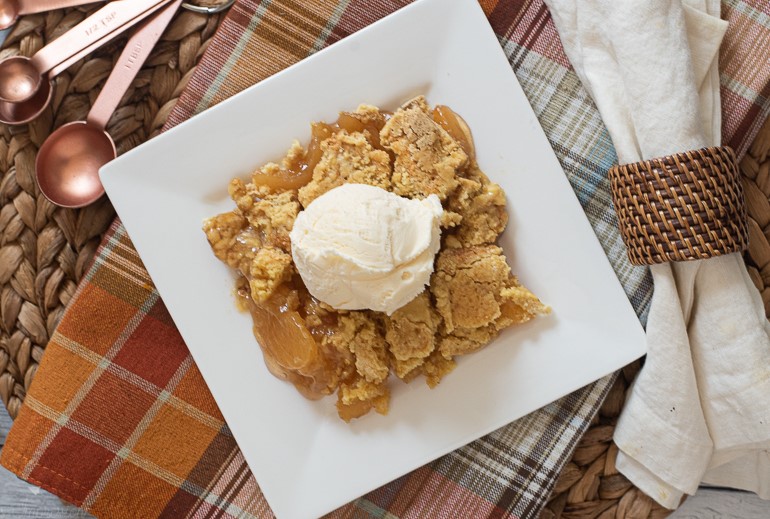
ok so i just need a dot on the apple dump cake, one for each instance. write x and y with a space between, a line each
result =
372 251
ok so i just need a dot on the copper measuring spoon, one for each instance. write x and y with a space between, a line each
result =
26 111
10 10
68 163
22 77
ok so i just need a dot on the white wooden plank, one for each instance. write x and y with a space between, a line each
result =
712 503
23 501
20 500
5 424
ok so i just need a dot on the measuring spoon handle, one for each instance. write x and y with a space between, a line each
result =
136 52
41 6
64 65
110 20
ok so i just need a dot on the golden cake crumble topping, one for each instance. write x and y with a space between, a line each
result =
347 158
427 157
414 152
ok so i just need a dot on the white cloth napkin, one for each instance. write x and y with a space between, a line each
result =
700 408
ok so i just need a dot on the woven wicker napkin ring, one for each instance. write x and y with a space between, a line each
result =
681 207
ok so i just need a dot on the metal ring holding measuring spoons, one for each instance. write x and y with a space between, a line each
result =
208 10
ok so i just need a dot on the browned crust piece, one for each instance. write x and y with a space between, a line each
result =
427 157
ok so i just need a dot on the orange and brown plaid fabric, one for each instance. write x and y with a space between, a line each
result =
119 420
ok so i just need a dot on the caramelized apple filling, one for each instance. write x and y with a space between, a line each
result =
414 152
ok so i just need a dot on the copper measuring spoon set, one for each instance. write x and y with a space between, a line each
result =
68 163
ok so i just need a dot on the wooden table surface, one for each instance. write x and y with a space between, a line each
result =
20 500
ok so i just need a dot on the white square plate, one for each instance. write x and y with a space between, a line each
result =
306 460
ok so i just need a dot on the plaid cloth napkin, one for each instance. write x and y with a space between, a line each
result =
118 419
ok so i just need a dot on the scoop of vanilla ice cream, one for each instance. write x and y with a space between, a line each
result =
361 247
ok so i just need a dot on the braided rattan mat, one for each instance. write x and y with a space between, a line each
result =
45 250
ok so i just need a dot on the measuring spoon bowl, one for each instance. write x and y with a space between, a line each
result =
9 13
68 164
19 79
26 111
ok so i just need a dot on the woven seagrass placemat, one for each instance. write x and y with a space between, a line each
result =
45 250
